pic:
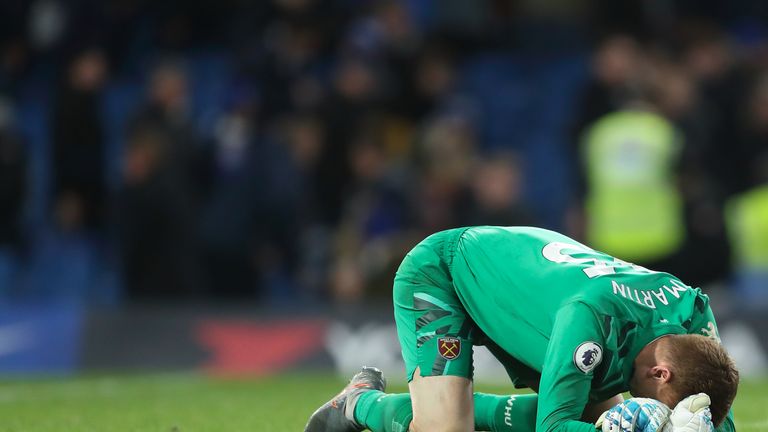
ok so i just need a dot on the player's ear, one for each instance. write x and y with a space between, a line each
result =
661 373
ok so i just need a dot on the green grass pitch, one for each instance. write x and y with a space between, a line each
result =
191 402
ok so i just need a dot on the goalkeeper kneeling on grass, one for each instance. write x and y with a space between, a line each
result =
577 326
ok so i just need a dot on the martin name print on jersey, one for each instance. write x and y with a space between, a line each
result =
649 298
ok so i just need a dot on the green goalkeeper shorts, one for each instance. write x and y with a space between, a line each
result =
436 333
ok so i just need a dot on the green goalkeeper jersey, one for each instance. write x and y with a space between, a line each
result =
525 287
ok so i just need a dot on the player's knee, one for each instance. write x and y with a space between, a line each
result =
442 404
442 423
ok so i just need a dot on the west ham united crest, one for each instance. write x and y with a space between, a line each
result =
449 347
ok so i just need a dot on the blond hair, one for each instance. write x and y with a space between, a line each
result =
701 365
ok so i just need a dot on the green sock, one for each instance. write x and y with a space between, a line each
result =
382 412
499 413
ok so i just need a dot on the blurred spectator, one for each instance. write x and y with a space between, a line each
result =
747 216
290 50
704 257
158 202
445 156
250 225
228 216
633 207
154 221
376 214
287 70
78 143
615 69
497 193
747 211
389 36
167 112
387 30
281 190
13 172
434 80
616 64
750 155
47 22
722 86
14 46
13 178
357 95
303 135
167 103
13 64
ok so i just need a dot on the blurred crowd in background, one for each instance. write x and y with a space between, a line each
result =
292 151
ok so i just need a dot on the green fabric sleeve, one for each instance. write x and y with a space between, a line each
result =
728 425
574 351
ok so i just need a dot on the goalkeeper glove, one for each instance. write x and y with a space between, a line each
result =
636 414
691 414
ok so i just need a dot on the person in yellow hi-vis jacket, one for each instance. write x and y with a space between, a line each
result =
747 223
633 208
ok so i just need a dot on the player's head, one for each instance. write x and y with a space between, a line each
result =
678 366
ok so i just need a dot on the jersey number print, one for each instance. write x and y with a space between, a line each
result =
600 264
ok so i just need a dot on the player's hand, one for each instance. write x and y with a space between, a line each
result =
691 414
634 415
